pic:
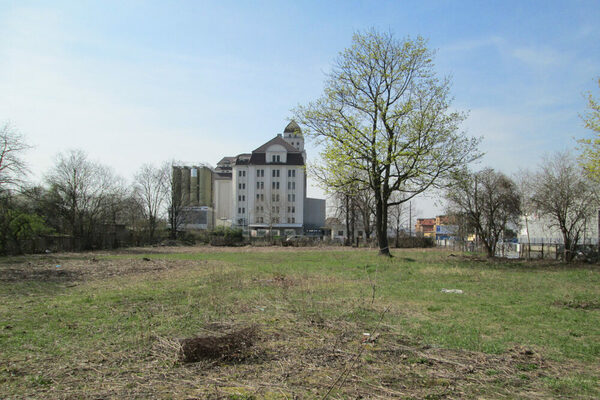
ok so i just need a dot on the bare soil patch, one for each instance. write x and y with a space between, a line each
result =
579 304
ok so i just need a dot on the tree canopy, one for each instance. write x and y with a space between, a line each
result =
386 115
590 149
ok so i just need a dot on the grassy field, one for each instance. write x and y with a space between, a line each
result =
107 325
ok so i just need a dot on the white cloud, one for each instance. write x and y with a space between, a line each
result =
541 57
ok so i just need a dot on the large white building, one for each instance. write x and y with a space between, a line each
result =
265 190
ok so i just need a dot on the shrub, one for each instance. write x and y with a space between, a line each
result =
222 236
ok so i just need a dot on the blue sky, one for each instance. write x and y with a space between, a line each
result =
132 82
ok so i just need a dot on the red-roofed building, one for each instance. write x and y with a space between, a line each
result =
425 227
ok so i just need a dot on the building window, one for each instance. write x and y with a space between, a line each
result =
257 209
243 210
243 197
260 173
239 198
293 220
276 158
239 210
275 197
275 173
257 196
293 209
262 185
262 197
340 233
291 173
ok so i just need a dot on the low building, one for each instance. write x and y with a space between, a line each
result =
442 227
425 227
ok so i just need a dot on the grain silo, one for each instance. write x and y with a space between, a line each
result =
194 187
177 190
205 186
185 186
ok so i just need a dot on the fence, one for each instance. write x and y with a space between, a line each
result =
537 248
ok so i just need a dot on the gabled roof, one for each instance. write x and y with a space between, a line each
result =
226 160
276 140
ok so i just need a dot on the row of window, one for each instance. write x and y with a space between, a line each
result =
275 209
291 198
274 185
260 173
275 220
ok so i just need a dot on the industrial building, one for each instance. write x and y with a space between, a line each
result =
261 192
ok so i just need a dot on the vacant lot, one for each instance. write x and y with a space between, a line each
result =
289 323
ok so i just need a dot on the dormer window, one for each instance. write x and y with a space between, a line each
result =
276 158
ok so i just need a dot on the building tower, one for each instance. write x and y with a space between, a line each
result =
293 135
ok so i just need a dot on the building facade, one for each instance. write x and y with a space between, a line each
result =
263 191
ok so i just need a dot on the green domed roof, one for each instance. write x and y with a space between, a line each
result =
292 127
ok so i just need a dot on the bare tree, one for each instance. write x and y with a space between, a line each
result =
175 202
524 181
12 165
489 200
365 203
564 194
87 194
151 191
398 215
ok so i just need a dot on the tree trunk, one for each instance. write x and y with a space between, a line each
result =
568 254
381 226
348 241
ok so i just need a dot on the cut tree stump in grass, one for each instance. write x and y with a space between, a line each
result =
231 346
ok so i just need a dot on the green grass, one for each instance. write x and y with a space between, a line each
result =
514 328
